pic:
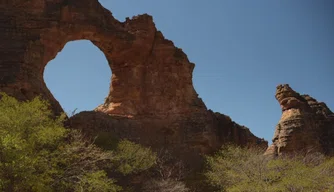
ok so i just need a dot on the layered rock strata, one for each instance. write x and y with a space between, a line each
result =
306 125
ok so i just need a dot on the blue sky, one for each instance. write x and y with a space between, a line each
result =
242 49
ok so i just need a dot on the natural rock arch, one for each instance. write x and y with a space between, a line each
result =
151 99
85 83
151 79
141 60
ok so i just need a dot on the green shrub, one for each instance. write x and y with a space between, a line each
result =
238 169
133 158
38 154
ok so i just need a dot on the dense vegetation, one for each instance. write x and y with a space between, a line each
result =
38 154
235 169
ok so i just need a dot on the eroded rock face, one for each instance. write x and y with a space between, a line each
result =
151 78
306 125
188 136
325 122
231 132
151 99
141 59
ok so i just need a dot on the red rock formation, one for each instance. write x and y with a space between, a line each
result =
231 132
141 59
324 118
152 79
305 126
151 99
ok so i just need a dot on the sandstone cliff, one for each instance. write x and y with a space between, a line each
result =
151 100
306 125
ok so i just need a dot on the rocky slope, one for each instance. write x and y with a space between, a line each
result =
306 125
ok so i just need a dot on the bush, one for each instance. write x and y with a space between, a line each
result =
38 154
133 158
238 169
161 185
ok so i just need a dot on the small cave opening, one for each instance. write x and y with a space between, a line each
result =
78 77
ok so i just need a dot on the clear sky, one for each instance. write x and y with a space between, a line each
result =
242 50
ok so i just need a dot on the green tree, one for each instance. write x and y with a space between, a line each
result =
236 169
130 157
38 154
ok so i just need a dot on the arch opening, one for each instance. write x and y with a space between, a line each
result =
78 77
